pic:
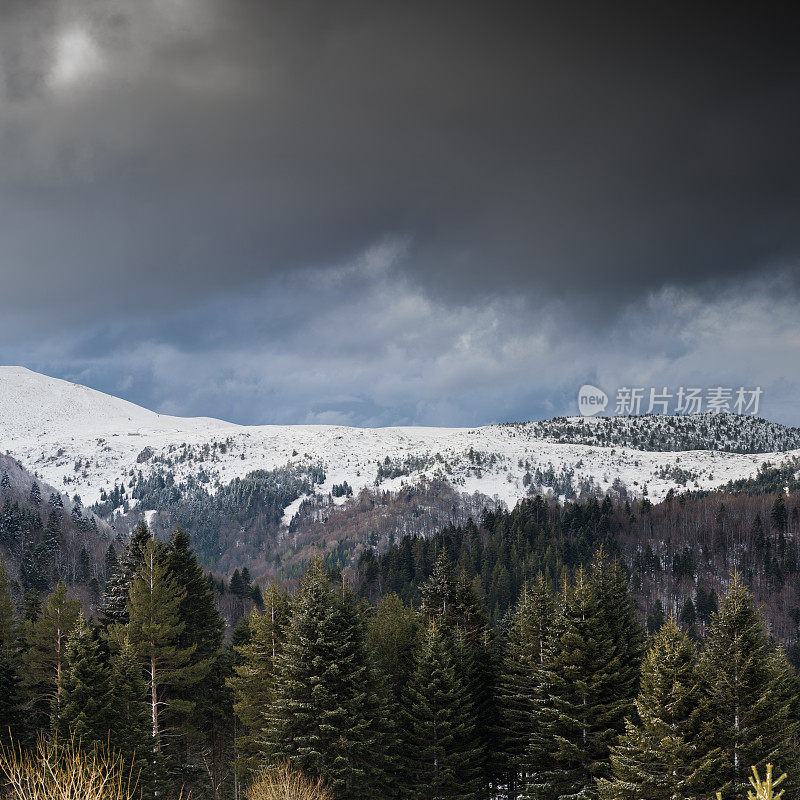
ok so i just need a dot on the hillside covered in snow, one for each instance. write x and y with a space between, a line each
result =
84 442
121 458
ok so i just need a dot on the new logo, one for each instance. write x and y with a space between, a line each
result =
591 400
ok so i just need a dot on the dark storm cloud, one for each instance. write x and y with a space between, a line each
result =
194 145
397 212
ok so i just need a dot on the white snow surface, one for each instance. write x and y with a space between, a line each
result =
82 441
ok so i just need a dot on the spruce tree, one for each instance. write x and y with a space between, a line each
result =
525 655
11 717
750 695
131 734
111 562
114 607
452 603
155 630
657 755
327 719
254 678
591 681
32 606
392 639
87 705
8 626
443 753
46 656
206 706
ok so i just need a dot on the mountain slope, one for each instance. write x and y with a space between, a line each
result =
121 456
46 536
84 441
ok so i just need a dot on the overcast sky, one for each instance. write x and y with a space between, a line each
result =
399 213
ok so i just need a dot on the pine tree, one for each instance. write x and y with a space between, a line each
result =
656 758
656 618
114 607
32 606
11 718
525 656
207 714
35 495
87 706
111 562
254 679
237 584
439 591
750 694
392 639
155 629
443 753
84 566
591 681
327 718
52 532
131 733
778 514
8 626
46 656
453 604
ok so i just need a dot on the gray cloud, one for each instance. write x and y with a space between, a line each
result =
359 344
164 162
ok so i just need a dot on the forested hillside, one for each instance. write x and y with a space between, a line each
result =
681 554
733 433
47 537
385 701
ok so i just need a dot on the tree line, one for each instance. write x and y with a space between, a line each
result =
565 698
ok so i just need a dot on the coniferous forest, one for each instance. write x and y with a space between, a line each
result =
408 685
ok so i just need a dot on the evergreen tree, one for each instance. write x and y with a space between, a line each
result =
254 678
155 630
443 753
32 606
237 584
8 626
526 651
84 566
11 718
131 733
655 619
114 608
205 700
750 694
656 757
36 568
87 705
35 495
111 562
52 532
778 514
392 639
591 681
439 591
453 604
46 656
327 718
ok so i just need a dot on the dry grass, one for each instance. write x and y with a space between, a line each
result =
63 771
283 783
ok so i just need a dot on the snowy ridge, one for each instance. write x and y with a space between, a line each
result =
83 442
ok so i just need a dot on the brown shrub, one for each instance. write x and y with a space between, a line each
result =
283 783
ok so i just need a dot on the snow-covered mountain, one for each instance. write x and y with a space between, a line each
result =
84 442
